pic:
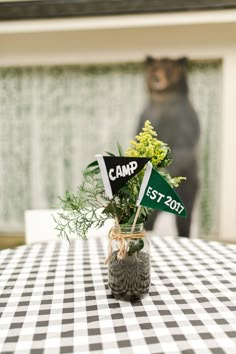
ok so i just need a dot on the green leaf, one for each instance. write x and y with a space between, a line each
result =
92 164
110 154
131 220
120 150
96 170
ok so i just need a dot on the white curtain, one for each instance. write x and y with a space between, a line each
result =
53 120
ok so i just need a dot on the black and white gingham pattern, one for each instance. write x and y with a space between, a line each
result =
54 299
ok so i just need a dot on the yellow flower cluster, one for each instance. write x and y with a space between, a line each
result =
147 145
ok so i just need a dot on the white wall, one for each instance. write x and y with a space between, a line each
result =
200 35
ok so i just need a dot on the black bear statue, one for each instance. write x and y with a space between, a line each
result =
173 117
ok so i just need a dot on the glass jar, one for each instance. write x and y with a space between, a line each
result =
129 273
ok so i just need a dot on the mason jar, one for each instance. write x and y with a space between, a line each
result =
129 272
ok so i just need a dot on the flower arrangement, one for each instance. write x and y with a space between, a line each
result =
90 207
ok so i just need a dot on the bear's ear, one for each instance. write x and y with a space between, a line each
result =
183 61
149 60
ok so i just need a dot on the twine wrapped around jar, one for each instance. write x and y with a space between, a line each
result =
116 234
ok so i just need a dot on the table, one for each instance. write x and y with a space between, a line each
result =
54 299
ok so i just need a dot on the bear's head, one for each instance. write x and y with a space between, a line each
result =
166 75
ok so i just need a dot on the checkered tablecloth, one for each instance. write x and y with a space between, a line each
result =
54 299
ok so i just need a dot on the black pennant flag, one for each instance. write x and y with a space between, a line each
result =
116 171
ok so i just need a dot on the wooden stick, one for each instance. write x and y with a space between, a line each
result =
136 218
